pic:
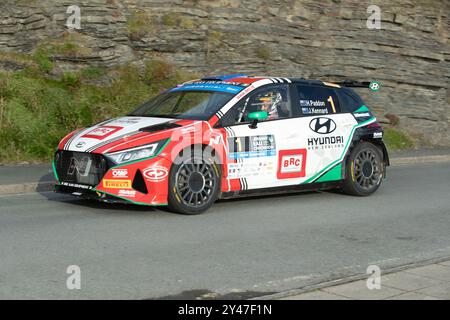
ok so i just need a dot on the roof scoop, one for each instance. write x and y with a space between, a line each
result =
160 127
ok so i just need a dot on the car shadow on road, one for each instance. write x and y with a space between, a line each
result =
46 185
285 195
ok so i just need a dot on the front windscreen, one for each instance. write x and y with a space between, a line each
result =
195 105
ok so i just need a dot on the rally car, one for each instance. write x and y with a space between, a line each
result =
228 136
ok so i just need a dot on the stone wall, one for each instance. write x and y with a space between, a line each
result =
325 40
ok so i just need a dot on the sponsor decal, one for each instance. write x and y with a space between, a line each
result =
317 143
212 85
245 170
76 185
127 193
116 184
378 135
322 125
245 91
128 120
156 173
251 146
102 132
80 144
119 173
231 83
314 111
362 115
291 163
312 103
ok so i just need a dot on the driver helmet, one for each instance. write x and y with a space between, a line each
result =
269 103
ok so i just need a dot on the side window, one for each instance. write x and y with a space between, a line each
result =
275 100
315 100
349 103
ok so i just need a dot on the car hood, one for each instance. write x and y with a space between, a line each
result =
114 131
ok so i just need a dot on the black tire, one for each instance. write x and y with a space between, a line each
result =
364 171
194 182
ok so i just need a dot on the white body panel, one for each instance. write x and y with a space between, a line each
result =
294 158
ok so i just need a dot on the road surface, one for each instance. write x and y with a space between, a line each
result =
240 248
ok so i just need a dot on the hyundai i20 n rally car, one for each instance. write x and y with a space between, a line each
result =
227 136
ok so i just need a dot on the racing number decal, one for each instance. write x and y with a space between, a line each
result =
239 144
330 100
291 164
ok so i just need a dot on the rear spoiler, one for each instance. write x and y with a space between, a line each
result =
354 84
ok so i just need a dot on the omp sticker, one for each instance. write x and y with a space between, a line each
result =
116 184
291 163
120 173
102 132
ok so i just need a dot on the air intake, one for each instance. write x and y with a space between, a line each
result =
139 183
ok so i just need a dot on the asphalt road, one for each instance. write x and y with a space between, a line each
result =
240 248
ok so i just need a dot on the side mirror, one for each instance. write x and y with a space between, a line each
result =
257 116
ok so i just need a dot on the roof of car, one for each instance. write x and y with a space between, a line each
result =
247 79
236 82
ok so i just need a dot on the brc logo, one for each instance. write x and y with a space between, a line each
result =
120 173
291 164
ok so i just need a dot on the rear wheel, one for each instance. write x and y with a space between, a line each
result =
365 169
194 183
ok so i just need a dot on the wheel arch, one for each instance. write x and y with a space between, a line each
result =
215 152
360 137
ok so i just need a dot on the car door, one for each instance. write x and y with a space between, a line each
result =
253 152
324 131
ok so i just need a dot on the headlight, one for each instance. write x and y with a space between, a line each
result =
137 153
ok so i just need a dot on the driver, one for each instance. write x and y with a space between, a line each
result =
269 102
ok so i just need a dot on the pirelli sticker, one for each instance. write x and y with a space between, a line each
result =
251 146
116 184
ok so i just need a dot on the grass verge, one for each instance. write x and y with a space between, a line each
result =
37 110
397 140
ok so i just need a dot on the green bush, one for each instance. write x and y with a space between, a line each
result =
397 140
37 111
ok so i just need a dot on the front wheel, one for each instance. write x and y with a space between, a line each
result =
365 169
194 182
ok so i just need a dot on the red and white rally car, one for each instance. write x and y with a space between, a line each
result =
227 136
